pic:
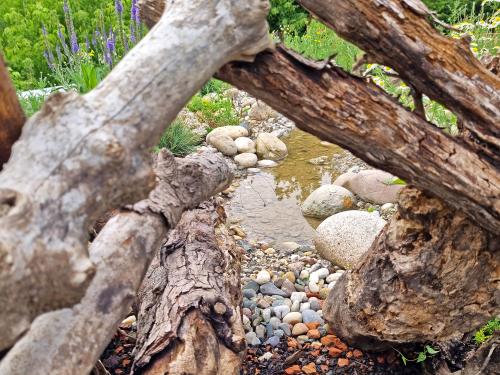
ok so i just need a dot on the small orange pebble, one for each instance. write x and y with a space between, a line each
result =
343 362
334 352
312 325
310 368
293 370
313 334
357 353
349 354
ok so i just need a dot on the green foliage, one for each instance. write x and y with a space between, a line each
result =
487 331
21 39
179 139
214 86
426 352
286 16
319 42
451 11
32 104
215 111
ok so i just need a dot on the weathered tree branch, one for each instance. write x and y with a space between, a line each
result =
429 256
348 111
82 155
11 114
397 33
189 319
69 341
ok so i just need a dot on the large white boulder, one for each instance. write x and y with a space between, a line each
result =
270 147
246 160
371 185
245 144
328 200
345 237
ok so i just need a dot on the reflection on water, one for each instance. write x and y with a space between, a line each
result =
268 203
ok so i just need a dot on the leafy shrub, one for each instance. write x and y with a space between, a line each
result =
319 42
451 11
487 331
179 139
287 16
216 111
214 86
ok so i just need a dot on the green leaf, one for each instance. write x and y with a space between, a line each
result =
404 359
421 357
395 181
431 350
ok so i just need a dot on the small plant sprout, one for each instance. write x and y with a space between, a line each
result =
427 352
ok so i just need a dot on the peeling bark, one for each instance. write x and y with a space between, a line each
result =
397 33
69 341
431 275
189 318
82 155
11 114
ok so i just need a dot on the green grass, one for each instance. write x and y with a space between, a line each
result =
179 139
487 331
319 42
215 112
32 104
214 86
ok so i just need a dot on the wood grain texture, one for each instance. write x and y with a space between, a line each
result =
189 319
83 155
397 33
70 340
432 275
11 114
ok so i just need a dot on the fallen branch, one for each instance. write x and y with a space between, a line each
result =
189 319
83 155
70 341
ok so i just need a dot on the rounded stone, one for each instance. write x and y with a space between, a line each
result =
266 164
344 238
292 318
230 131
263 277
328 200
299 329
224 144
270 147
246 160
298 296
245 145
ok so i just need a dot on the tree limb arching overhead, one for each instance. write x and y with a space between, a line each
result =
82 155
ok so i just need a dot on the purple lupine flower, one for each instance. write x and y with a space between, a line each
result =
134 11
118 7
87 44
50 58
44 30
66 7
75 47
59 53
62 39
133 39
108 58
111 41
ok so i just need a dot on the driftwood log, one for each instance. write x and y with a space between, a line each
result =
461 172
189 319
431 275
83 155
11 114
70 340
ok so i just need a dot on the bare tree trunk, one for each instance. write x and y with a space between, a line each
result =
11 114
83 155
69 341
189 318
431 275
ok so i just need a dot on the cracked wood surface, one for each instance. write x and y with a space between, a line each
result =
83 155
70 340
11 114
430 256
397 33
189 319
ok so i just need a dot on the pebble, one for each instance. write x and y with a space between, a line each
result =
249 293
298 296
314 303
252 285
295 306
273 341
275 322
305 306
260 331
263 277
313 287
266 356
270 289
288 287
279 332
281 311
266 163
266 315
285 327
304 274
309 316
293 317
252 339
290 276
333 277
322 272
299 329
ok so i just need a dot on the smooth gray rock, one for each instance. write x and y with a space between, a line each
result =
244 145
288 287
249 293
344 238
260 331
286 328
246 160
298 296
252 285
270 147
311 316
252 339
224 144
281 311
269 289
275 322
273 341
328 200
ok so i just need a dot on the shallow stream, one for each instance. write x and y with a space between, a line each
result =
267 204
